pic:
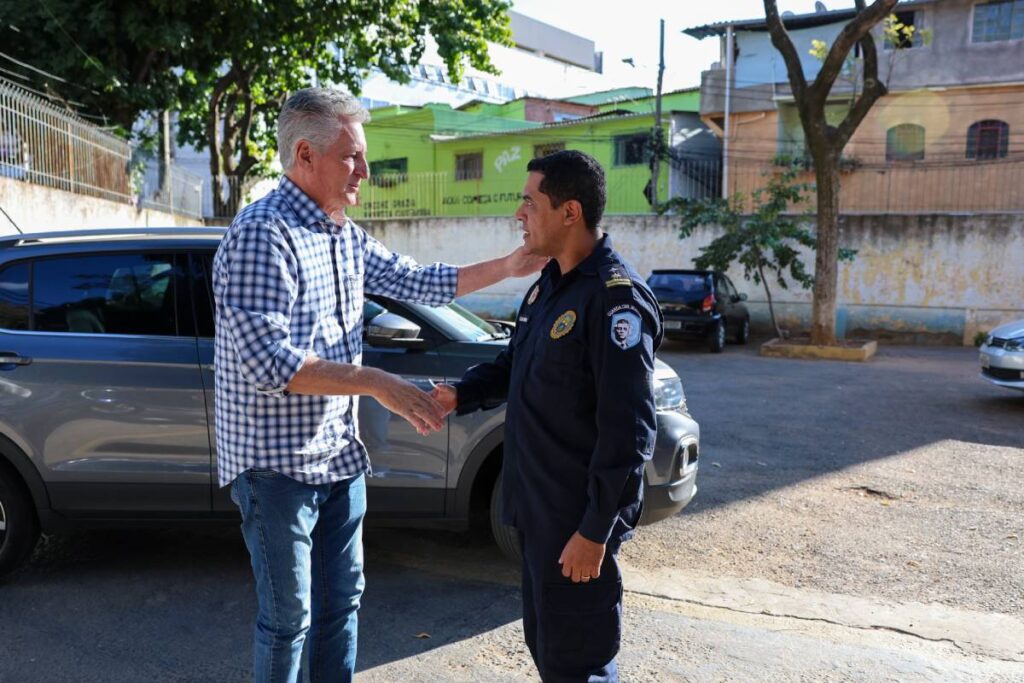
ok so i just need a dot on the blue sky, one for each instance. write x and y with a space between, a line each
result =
629 28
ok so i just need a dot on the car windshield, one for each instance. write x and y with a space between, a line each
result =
460 323
679 284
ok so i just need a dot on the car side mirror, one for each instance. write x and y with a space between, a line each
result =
505 326
743 297
389 330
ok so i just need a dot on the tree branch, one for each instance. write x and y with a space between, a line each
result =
851 34
213 121
142 73
783 43
873 90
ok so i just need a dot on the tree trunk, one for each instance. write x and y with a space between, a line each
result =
771 306
823 315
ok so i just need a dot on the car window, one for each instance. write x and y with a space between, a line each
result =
460 323
453 320
727 287
202 293
678 283
106 294
14 309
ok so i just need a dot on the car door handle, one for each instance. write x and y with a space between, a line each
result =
8 358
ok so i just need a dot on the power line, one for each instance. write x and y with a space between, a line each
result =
89 57
46 74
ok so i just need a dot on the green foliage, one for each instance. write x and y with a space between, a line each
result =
767 242
227 65
896 34
980 337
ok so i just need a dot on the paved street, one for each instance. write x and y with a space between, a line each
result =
854 523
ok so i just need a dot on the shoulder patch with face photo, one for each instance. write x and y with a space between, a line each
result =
625 328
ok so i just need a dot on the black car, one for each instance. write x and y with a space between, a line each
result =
701 304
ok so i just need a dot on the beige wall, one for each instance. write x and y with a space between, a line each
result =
944 181
928 279
36 208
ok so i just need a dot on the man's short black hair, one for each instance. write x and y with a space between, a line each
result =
571 174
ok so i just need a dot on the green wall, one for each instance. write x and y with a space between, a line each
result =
425 138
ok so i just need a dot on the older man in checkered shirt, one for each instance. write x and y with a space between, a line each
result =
289 280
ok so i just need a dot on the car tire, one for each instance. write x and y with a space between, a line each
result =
743 333
717 338
19 529
505 536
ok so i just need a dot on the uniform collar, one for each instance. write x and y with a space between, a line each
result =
309 213
602 251
588 266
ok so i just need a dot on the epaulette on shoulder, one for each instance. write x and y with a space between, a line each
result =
614 275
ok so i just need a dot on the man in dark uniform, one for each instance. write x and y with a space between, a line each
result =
580 424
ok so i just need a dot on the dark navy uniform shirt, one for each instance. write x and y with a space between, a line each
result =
577 375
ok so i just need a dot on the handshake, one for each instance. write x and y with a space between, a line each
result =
425 411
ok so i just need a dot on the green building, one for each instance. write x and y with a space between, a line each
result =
471 161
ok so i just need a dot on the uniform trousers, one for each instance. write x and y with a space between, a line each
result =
572 629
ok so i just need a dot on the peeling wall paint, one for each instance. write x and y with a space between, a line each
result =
916 278
39 209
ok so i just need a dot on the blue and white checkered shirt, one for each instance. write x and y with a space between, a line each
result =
287 281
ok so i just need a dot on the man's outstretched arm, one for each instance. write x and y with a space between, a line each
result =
486 273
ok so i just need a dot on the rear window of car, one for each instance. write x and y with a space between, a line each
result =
123 293
679 283
105 294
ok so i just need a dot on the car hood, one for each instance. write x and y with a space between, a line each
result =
1009 330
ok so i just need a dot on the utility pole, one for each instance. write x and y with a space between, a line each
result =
659 143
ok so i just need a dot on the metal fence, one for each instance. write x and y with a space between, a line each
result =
179 192
963 186
47 146
410 195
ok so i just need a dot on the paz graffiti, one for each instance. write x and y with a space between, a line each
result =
509 155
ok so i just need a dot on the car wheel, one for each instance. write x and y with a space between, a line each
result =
743 334
505 536
718 337
19 529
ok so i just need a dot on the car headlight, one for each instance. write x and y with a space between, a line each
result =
1014 344
668 394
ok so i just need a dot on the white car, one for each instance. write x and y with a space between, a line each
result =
1002 356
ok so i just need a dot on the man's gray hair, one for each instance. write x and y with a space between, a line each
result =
312 114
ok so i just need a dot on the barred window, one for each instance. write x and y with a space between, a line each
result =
989 139
469 166
631 150
389 172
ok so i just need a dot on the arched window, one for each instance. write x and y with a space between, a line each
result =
904 142
989 139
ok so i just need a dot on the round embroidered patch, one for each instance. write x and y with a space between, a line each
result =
563 325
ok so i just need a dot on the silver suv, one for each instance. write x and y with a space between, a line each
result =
106 397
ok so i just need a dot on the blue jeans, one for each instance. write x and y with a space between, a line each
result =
306 545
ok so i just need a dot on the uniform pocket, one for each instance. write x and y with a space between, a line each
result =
560 363
582 624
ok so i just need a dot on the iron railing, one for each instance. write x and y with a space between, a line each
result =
409 195
45 145
963 186
179 192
